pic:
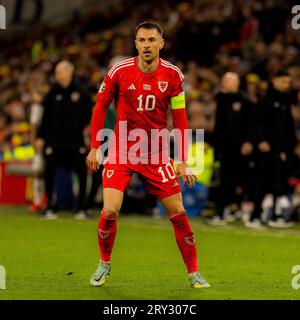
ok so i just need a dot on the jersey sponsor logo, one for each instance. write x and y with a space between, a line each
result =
75 96
109 173
102 87
237 106
162 85
131 87
103 234
147 87
190 240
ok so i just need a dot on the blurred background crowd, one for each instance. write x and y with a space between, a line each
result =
205 39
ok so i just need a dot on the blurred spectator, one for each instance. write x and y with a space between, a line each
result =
252 81
249 29
67 111
38 187
276 142
232 141
4 132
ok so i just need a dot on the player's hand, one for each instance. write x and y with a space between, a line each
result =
246 149
264 146
91 160
183 170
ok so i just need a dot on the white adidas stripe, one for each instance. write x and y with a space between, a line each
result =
181 76
123 66
176 68
112 71
120 64
170 65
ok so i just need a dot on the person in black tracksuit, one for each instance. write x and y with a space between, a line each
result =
276 141
232 140
67 111
250 168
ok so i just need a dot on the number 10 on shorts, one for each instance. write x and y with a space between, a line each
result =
168 170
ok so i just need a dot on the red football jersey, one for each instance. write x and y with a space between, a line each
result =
142 99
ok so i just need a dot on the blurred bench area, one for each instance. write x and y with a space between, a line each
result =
205 39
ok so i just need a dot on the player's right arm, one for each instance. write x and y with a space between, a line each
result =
105 96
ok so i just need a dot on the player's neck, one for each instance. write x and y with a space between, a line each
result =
147 67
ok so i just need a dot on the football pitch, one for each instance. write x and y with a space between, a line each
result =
55 259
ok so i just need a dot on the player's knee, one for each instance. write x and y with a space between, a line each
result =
175 210
173 204
112 211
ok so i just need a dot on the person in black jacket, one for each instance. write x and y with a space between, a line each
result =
232 140
67 111
276 141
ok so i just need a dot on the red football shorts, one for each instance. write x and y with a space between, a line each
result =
160 179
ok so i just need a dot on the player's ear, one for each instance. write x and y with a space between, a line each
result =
135 42
162 43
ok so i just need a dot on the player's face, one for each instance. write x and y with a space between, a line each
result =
282 84
148 42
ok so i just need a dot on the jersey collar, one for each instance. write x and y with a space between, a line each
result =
158 66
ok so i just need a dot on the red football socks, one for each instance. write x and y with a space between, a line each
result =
107 229
185 240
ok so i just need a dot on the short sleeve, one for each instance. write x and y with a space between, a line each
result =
107 88
177 87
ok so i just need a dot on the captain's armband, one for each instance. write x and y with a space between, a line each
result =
178 102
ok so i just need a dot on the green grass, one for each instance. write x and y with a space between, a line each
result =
55 259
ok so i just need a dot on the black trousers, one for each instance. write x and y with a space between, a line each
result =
71 160
230 179
271 177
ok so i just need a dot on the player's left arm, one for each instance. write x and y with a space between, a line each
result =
178 109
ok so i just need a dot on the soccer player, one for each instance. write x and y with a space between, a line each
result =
143 88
